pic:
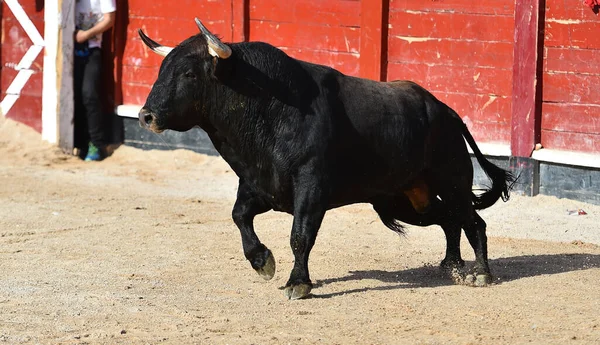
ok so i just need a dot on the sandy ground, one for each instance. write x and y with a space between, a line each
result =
141 249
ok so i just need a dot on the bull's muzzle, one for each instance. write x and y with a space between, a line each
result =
148 120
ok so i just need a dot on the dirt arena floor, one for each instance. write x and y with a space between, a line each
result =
141 249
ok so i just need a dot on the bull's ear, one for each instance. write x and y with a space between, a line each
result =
216 48
155 47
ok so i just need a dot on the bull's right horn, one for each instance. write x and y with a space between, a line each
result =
155 47
215 46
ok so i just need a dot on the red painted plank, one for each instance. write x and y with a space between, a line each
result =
13 33
171 32
205 10
500 7
478 108
451 52
371 39
328 13
135 93
139 75
12 54
526 111
564 10
574 88
33 87
490 132
451 25
335 38
344 62
571 60
28 110
475 80
136 54
28 7
569 117
584 35
583 142
239 20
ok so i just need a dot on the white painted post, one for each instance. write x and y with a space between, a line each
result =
57 94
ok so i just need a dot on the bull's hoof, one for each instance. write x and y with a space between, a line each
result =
268 270
452 264
297 291
478 280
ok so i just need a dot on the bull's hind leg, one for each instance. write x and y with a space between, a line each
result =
475 231
400 208
246 207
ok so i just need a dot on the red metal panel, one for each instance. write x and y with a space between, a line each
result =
451 52
525 95
422 25
327 13
573 88
500 7
571 117
571 141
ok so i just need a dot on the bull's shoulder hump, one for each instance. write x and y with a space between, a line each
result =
404 84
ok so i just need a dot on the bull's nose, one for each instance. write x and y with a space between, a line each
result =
146 118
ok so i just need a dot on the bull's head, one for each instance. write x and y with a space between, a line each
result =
185 78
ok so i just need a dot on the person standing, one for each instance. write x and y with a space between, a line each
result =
93 17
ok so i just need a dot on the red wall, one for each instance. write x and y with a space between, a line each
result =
571 78
15 43
169 23
461 51
326 32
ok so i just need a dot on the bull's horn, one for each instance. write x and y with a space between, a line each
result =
215 46
155 47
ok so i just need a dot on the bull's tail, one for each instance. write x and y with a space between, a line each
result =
502 180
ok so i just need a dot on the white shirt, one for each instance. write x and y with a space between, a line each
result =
89 13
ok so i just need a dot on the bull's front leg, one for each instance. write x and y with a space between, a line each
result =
246 207
309 209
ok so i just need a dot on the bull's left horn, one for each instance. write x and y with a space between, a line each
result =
155 47
215 46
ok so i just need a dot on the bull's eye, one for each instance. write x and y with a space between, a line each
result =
190 75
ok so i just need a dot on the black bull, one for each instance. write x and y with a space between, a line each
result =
305 138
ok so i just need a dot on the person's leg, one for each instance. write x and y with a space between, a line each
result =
81 136
90 91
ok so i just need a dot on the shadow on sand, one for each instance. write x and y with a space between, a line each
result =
503 269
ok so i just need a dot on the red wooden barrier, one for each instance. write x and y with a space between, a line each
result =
571 106
526 79
466 52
